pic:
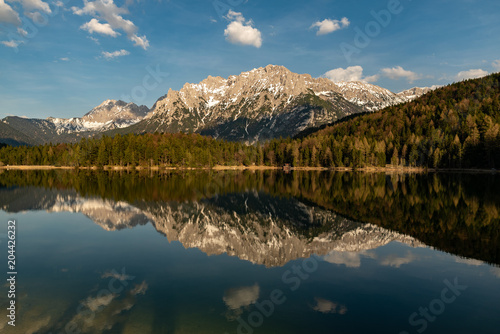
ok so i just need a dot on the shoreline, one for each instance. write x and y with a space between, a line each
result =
387 170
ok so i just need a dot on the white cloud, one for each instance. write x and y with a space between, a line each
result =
8 15
240 297
114 54
328 26
34 5
64 59
496 65
398 72
140 41
94 39
22 32
351 73
240 32
106 10
100 28
11 44
371 78
471 74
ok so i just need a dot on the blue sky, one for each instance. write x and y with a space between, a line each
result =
61 58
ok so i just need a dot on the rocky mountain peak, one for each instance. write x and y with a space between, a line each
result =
368 96
415 92
115 111
274 84
256 105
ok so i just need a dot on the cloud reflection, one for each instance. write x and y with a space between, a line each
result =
236 298
495 271
470 262
327 306
349 259
397 261
353 259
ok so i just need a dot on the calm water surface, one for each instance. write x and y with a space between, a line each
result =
244 252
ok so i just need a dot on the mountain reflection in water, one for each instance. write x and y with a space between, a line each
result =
202 251
270 217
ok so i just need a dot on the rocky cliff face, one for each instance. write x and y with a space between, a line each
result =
262 104
257 105
269 87
118 112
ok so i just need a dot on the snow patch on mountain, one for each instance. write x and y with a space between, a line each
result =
110 114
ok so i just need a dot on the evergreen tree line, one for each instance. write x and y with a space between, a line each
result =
457 126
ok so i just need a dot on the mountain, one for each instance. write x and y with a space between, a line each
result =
11 136
39 131
457 126
415 92
261 104
111 114
114 114
373 98
368 96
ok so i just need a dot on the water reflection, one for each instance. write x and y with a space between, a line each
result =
327 306
144 264
270 217
251 225
236 298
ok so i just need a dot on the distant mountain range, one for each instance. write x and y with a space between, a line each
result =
108 115
258 105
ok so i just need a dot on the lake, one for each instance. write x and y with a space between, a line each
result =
252 252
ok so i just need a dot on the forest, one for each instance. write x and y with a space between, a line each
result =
457 126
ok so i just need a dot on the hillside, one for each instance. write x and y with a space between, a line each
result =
453 126
10 136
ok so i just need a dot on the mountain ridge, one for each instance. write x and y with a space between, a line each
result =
261 104
254 106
